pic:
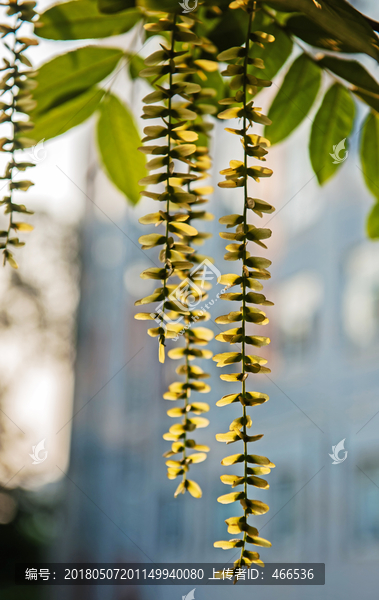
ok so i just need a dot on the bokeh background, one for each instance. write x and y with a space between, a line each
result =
79 372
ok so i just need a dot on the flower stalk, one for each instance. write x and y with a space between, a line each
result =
176 314
16 104
253 269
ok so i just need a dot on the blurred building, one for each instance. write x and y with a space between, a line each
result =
323 389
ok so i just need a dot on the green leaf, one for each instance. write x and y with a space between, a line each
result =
341 21
118 140
372 225
274 54
109 7
369 151
71 74
81 19
216 83
332 125
228 31
160 6
370 99
136 64
294 99
310 32
352 71
65 116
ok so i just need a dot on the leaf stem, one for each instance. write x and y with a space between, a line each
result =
186 404
245 128
169 126
13 110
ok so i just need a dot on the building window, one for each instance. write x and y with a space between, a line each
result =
170 528
283 526
367 504
299 306
361 296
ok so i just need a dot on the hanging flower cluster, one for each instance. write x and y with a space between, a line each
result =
16 104
181 106
253 269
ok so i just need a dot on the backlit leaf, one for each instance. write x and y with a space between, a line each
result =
341 21
275 54
118 139
60 119
194 488
81 19
229 498
232 459
71 74
332 125
352 71
372 225
369 152
294 99
227 545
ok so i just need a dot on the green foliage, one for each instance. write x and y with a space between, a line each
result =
352 71
63 117
337 27
332 124
295 98
118 139
274 55
16 86
373 223
66 95
81 19
71 74
370 153
227 30
370 99
341 21
110 7
311 33
255 42
244 85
